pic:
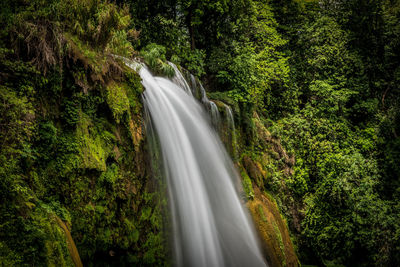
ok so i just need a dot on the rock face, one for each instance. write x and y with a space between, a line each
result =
73 251
82 156
263 164
273 230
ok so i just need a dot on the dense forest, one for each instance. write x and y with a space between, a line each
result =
315 91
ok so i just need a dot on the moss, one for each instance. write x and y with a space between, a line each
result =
73 252
273 231
154 245
92 57
117 100
9 257
53 237
110 175
255 170
76 143
247 185
280 240
94 147
134 234
261 213
135 129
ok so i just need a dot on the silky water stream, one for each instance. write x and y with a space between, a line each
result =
211 225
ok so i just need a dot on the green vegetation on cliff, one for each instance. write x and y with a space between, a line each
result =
71 139
314 88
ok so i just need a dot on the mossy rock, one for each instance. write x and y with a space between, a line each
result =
117 100
255 170
95 143
274 233
73 251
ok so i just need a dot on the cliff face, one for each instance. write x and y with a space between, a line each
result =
73 160
81 157
264 165
262 172
76 180
79 172
273 230
265 173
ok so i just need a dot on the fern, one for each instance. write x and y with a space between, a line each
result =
154 57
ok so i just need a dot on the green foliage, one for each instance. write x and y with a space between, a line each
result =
90 142
330 74
29 234
194 61
253 68
16 123
322 75
99 24
337 176
134 89
63 149
117 100
9 257
300 181
247 186
71 112
154 57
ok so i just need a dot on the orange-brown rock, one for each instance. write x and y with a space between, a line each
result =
273 231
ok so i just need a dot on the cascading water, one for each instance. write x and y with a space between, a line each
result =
231 130
197 90
211 226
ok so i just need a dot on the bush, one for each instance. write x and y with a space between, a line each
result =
154 57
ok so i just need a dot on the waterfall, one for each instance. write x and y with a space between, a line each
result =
197 90
211 225
231 130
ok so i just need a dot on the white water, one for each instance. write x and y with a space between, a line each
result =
211 227
231 128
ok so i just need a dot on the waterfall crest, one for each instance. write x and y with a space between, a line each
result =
211 227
